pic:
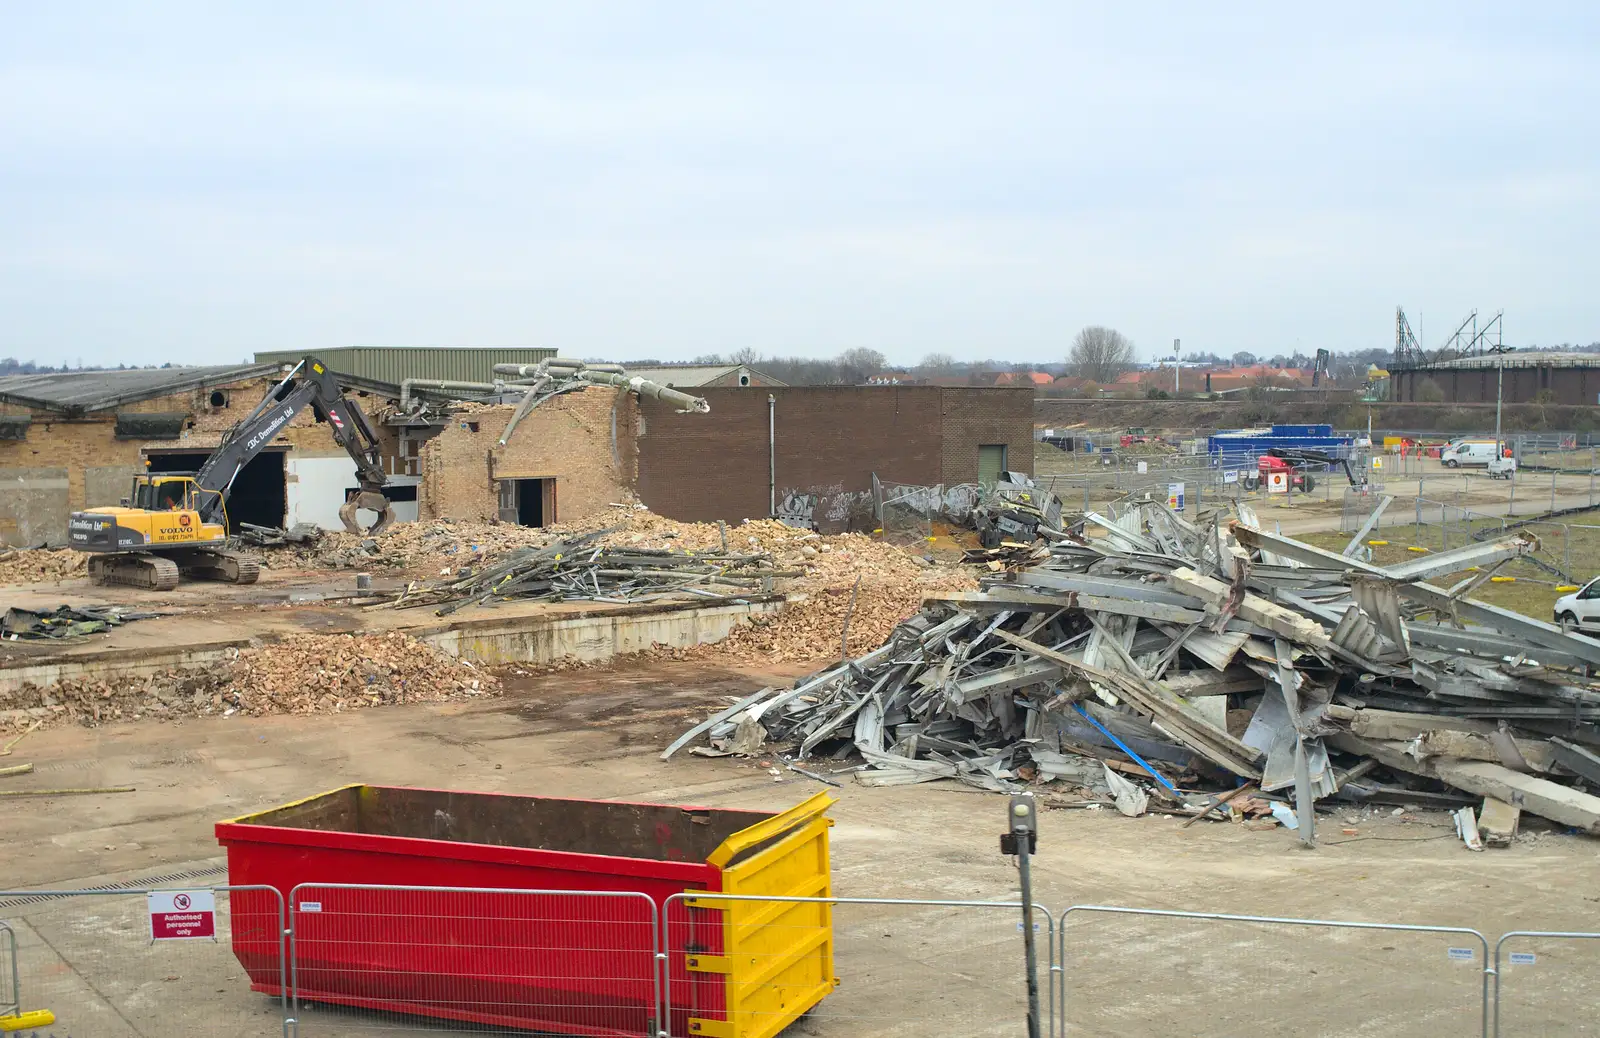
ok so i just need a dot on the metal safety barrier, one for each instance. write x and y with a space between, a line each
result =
1157 971
94 961
346 959
379 959
888 966
1544 982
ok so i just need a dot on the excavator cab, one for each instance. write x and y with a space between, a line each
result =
172 492
165 493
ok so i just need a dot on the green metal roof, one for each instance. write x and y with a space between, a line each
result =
394 364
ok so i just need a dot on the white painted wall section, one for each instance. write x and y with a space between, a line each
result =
316 488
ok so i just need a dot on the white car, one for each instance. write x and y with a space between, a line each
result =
1581 609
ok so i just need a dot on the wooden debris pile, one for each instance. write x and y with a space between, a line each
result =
582 568
312 673
1157 663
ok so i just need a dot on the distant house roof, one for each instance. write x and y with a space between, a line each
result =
80 392
691 375
1017 378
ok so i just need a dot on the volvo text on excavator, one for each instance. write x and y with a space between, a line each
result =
174 523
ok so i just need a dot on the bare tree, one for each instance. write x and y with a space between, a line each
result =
861 363
1244 359
936 364
1100 354
745 355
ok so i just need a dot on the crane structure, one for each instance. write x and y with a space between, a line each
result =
177 523
1468 340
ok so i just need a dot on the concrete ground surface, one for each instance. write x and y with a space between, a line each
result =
597 733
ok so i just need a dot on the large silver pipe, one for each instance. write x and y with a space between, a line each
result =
653 390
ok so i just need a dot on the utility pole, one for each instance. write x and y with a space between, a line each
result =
1175 368
1500 351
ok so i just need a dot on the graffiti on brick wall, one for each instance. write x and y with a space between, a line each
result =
951 504
829 509
798 508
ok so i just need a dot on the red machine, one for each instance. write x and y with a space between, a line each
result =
1299 480
1293 461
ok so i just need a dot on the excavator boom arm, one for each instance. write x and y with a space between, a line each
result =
309 383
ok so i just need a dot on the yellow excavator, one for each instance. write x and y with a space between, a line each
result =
174 524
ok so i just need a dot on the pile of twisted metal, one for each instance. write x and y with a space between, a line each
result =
1141 654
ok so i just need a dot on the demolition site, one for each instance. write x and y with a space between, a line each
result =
396 691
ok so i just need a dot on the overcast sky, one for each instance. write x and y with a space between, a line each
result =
194 182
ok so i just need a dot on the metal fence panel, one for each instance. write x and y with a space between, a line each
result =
904 967
1153 971
1544 983
88 957
388 960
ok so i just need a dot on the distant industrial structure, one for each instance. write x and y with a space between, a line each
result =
1530 376
1474 366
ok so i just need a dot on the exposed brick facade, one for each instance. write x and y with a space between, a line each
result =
715 466
972 417
585 440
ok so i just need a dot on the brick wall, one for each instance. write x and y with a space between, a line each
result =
585 440
985 416
98 466
715 466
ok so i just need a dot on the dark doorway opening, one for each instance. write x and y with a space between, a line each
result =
528 502
258 494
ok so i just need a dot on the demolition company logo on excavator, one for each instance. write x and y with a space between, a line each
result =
268 430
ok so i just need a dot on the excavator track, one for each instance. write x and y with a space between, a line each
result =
134 569
227 567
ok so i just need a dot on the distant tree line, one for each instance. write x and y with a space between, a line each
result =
13 366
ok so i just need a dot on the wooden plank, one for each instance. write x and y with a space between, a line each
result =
1541 796
1282 621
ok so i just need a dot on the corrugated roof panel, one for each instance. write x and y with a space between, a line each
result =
395 364
97 390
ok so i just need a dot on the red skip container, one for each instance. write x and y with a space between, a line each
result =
580 963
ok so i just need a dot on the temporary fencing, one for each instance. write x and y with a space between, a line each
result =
889 966
906 512
90 959
337 959
384 959
1544 983
1412 980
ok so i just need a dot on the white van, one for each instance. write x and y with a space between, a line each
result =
1468 452
1580 609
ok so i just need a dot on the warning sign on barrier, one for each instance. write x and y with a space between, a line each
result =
1277 482
182 915
1175 496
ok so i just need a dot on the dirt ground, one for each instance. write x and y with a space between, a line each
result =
597 733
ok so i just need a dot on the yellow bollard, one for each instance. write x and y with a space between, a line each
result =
25 1021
